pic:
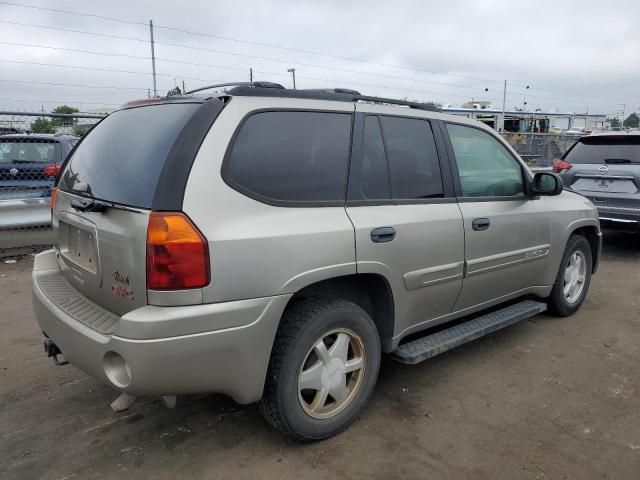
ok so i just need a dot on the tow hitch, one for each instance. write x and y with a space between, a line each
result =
52 350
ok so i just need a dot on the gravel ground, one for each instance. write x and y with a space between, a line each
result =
547 398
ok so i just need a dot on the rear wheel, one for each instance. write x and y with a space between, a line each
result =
322 370
574 277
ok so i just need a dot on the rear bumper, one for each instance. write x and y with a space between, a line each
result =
619 217
145 356
29 212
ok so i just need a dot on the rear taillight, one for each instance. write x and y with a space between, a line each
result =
51 170
560 166
177 253
54 190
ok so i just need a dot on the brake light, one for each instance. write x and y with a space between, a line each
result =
177 253
51 170
560 166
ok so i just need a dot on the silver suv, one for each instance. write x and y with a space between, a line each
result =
271 244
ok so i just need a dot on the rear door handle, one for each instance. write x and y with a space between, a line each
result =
481 224
383 234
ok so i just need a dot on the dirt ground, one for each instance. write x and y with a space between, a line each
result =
547 398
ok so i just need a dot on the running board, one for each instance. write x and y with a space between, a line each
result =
429 346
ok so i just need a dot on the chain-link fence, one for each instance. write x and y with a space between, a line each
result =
539 150
32 148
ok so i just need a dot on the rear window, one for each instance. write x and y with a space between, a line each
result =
121 159
29 150
289 156
605 149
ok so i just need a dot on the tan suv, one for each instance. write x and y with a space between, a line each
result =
272 244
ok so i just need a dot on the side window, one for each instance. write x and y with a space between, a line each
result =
485 166
413 158
374 176
292 156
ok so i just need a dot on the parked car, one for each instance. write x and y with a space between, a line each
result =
576 132
606 169
272 244
28 167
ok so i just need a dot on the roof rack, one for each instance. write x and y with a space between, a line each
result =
335 94
238 84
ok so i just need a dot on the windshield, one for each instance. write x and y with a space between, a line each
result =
29 151
121 159
605 149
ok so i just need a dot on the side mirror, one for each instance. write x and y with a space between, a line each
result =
547 183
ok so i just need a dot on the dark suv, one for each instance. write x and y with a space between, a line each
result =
28 167
606 169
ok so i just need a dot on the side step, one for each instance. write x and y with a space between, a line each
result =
429 346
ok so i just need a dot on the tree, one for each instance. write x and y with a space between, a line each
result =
632 121
66 121
174 91
42 125
615 123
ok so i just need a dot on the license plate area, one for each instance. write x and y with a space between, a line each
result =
611 185
79 247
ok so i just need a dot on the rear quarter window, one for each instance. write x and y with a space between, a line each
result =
291 156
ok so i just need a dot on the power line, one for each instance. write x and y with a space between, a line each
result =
107 70
66 49
84 32
75 85
69 12
59 101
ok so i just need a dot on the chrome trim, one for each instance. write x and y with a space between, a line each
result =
416 279
526 255
621 220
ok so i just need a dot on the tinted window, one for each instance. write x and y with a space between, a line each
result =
292 156
120 160
413 158
485 166
609 149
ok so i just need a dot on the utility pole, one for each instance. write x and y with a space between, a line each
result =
153 59
504 101
184 89
251 75
292 71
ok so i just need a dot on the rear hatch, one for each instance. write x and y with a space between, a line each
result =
604 164
23 161
106 192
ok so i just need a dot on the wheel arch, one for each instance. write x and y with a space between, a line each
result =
592 234
370 291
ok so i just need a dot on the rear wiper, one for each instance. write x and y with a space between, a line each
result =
88 206
618 160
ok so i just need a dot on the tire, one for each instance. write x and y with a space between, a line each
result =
560 301
304 325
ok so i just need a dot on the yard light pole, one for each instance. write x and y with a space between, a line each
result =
292 71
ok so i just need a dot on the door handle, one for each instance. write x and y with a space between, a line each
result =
383 234
479 224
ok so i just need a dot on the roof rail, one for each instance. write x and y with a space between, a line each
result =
335 94
237 84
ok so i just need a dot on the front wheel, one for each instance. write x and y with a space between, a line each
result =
574 277
323 368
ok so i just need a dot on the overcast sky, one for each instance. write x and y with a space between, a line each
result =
573 55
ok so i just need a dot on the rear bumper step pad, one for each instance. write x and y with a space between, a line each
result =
429 346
